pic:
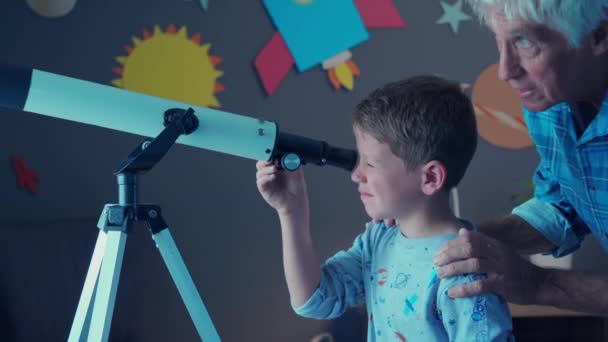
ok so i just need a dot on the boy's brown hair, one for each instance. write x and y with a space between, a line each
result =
422 118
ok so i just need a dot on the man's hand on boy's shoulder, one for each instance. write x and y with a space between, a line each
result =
508 274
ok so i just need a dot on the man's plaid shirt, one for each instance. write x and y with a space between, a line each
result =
571 195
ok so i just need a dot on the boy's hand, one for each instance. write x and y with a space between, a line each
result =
285 191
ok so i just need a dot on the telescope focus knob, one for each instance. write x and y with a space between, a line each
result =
290 161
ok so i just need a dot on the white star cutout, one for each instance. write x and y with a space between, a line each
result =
453 15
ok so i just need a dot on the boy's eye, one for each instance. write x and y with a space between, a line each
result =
370 165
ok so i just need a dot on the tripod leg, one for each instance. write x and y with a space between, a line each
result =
83 317
105 296
185 286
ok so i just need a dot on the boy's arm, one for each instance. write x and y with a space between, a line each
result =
342 280
302 270
312 295
481 318
286 193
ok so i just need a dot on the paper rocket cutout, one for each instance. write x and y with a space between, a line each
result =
379 14
313 32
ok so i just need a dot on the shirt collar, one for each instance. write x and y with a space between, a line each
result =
561 114
599 126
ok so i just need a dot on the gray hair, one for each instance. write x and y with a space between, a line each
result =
575 19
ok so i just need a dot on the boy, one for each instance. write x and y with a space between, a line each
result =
415 139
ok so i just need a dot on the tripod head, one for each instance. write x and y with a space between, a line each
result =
143 158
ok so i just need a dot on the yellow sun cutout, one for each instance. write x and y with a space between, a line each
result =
171 65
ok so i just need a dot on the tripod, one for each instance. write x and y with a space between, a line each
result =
93 319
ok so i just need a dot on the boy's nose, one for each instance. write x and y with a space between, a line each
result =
356 176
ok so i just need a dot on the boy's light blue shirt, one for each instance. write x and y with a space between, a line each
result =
406 301
571 195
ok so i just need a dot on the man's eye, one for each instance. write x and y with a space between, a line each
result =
526 46
524 42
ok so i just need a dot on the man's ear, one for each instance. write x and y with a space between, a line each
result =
434 175
599 39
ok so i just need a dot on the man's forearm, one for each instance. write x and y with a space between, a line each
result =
302 271
578 291
518 234
572 290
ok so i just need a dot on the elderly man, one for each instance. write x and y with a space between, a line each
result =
555 55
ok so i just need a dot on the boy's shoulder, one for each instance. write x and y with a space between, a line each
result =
376 231
448 283
469 225
374 235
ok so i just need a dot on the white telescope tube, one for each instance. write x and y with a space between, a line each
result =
91 103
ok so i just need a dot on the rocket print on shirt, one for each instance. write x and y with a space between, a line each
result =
409 305
411 300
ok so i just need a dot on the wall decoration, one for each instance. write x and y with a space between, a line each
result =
313 32
453 15
171 65
26 178
51 8
527 191
498 109
204 4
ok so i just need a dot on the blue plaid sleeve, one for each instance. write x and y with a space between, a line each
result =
552 215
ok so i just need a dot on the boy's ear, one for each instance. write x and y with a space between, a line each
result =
599 40
434 175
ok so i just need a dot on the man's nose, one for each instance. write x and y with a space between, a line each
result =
508 64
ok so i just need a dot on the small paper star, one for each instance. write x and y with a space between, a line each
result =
453 15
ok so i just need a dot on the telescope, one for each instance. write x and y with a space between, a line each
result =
63 97
169 121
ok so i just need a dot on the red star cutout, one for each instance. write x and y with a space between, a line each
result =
26 177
